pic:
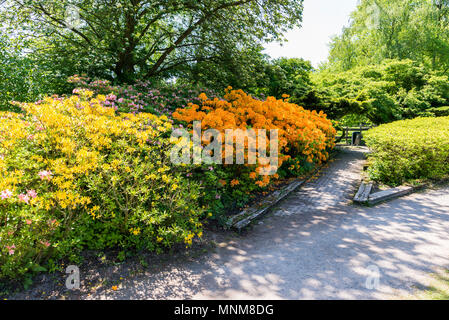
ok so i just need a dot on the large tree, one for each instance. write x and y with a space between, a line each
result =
145 38
399 29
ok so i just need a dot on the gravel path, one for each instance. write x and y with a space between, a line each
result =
316 245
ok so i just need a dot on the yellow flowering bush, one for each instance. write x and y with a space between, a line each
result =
74 175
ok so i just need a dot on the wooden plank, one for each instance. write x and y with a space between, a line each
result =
364 192
389 194
359 129
245 217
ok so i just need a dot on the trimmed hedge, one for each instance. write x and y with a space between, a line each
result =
409 149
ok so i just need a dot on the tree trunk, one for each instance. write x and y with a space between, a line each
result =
125 67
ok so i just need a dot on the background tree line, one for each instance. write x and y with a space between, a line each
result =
391 62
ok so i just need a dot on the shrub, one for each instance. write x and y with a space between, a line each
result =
392 90
143 96
440 112
305 137
409 149
74 175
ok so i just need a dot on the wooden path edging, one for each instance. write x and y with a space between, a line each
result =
364 192
389 194
365 197
245 217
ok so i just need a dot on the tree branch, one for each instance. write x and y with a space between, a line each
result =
187 32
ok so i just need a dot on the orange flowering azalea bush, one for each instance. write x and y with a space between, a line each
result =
304 141
76 175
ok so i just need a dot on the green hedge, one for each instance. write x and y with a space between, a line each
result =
409 149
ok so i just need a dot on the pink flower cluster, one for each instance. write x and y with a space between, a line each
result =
31 194
45 175
46 244
11 249
6 194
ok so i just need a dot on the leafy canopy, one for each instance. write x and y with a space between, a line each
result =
129 39
391 90
400 29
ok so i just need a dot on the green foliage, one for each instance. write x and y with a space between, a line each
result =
354 120
400 29
409 149
242 68
250 70
129 40
287 76
391 63
22 77
392 90
440 112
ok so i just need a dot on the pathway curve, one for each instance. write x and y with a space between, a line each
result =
315 245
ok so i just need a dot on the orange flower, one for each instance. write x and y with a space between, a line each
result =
235 182
305 132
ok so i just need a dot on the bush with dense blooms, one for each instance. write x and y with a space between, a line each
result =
305 137
75 175
143 96
409 150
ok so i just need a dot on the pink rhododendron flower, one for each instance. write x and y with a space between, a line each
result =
45 175
46 244
6 194
32 194
28 221
11 249
24 198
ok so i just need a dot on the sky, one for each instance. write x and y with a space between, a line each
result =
322 19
